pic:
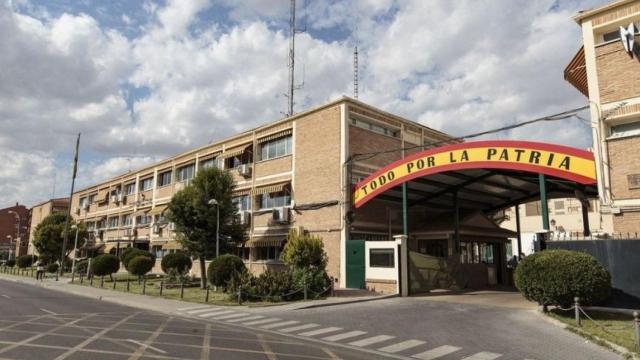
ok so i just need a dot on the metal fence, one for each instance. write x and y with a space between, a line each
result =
620 257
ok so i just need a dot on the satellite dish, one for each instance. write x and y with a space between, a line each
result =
627 36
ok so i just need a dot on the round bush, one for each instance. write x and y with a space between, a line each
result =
11 263
132 253
105 265
223 268
178 261
25 261
140 265
52 268
555 277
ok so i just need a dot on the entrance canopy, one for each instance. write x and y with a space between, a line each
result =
483 175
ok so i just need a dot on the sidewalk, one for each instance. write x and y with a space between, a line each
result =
169 306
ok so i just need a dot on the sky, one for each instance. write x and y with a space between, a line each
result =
145 80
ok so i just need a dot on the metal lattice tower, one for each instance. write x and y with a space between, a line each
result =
355 72
292 53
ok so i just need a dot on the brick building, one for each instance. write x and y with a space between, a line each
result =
289 174
37 214
607 70
14 225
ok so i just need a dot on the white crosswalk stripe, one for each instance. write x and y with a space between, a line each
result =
372 340
280 324
483 356
343 336
198 311
320 331
437 352
298 328
259 322
193 308
401 346
214 313
228 316
254 317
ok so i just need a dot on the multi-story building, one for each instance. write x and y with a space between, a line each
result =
14 225
607 70
291 173
38 213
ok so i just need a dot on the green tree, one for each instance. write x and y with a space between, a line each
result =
195 218
48 236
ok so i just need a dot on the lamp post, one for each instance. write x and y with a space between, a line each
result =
215 202
17 238
75 251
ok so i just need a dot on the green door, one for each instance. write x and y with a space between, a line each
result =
355 264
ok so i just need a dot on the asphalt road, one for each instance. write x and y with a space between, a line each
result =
37 323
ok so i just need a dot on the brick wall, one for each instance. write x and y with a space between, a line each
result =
623 162
618 73
627 222
381 286
366 141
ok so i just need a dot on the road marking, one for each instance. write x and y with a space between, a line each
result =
206 343
343 336
254 317
437 352
298 328
401 346
146 346
216 313
284 323
228 316
320 331
483 355
194 308
147 343
371 340
6 296
193 312
266 348
258 322
48 311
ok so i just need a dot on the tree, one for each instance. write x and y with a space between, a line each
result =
195 218
106 264
140 265
178 262
48 236
225 267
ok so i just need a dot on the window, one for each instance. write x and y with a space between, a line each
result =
209 163
116 190
164 178
267 253
93 198
244 253
623 130
476 253
130 189
533 209
127 220
242 202
146 184
375 127
157 251
160 219
91 225
232 162
275 148
185 173
101 224
273 200
437 248
558 206
112 222
143 220
83 202
615 35
634 181
381 258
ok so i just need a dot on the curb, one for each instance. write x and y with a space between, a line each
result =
383 297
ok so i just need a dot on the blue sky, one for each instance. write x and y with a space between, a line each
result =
143 80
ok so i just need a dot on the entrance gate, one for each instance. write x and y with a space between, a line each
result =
355 264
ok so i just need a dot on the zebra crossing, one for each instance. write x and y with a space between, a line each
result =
412 348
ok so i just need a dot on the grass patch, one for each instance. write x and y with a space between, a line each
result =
615 328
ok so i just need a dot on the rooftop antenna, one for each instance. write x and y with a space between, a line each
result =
292 55
53 190
355 72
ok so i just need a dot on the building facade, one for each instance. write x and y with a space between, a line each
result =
38 213
607 70
291 173
14 226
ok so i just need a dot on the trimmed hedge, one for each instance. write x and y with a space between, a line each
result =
131 253
11 263
106 264
26 261
179 261
555 277
52 268
140 265
223 268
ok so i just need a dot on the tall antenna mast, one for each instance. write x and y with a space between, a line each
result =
355 72
292 53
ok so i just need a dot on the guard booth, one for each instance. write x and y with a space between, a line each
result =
449 199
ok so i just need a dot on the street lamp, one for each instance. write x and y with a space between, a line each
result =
75 251
215 202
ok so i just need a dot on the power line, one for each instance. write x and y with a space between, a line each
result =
555 117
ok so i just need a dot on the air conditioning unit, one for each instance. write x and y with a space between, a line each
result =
245 217
171 226
281 215
156 229
119 197
114 199
244 170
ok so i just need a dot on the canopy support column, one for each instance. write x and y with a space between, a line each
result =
585 218
405 226
519 237
543 201
456 223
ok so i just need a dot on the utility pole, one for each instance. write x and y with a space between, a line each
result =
66 223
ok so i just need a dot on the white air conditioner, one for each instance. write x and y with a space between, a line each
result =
119 197
245 217
281 215
244 170
156 229
171 226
